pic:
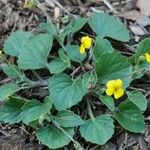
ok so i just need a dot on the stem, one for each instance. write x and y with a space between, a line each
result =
36 75
75 71
59 127
109 6
90 111
138 71
90 55
63 46
31 84
135 71
25 79
137 64
28 81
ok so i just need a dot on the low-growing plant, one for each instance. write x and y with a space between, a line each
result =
85 67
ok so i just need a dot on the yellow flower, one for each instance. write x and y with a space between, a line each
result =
114 87
147 57
86 42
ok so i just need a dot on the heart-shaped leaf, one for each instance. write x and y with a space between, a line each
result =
64 91
53 137
138 99
99 130
63 56
101 47
109 26
10 112
89 80
73 51
12 70
50 28
7 90
74 26
114 66
66 118
108 101
33 109
130 117
143 47
58 65
36 52
17 42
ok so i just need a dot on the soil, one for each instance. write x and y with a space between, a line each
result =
13 16
17 138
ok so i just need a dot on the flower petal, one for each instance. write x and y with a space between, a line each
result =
118 83
110 91
82 49
86 41
83 39
147 56
118 93
111 84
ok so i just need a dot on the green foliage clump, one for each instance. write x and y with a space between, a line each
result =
92 70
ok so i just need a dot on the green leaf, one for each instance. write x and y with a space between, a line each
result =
36 52
7 90
109 26
66 118
34 109
58 65
114 66
34 124
143 47
74 26
130 117
65 92
140 73
143 66
53 137
12 70
99 130
108 101
101 47
63 56
89 79
50 28
138 99
73 51
10 112
16 42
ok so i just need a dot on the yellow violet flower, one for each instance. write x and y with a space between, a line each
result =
114 87
86 42
147 57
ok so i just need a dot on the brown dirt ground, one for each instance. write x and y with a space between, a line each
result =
14 17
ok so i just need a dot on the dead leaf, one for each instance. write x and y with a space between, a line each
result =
50 3
144 6
133 15
144 22
136 30
142 143
56 13
147 139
